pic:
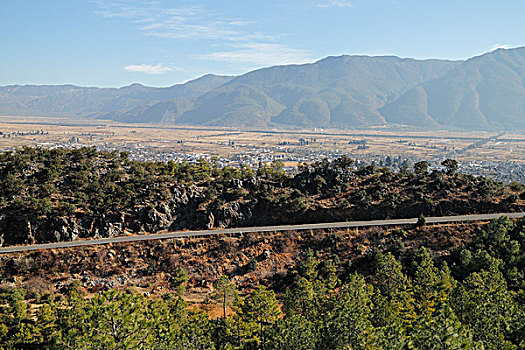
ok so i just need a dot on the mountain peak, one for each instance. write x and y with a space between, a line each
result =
134 86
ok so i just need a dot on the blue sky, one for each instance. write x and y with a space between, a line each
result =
161 43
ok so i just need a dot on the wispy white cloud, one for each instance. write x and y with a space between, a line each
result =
260 54
332 3
247 46
148 68
117 9
186 22
181 29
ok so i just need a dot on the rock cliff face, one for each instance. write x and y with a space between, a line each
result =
188 208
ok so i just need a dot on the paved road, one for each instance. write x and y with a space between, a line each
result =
184 234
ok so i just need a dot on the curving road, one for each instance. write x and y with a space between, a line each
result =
201 233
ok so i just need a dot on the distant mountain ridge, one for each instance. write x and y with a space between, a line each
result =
75 101
336 91
484 92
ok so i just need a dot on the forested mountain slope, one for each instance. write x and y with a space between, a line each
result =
451 287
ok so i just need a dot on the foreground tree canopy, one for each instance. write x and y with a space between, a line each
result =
470 299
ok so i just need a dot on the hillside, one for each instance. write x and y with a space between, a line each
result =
484 92
61 195
336 91
376 288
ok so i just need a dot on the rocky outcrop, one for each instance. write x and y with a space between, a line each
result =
317 194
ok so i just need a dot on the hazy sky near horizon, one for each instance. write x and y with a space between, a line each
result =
165 42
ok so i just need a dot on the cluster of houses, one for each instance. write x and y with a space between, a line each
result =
292 154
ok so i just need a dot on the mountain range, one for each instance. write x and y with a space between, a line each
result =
485 92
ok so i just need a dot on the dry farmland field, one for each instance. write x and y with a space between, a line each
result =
293 146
